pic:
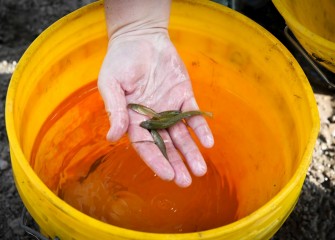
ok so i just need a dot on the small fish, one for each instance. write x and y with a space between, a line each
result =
141 109
167 114
163 123
158 140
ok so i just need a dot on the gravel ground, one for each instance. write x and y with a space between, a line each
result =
313 217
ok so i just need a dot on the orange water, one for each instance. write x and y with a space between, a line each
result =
111 183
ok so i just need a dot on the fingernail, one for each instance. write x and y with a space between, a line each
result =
207 141
164 172
183 180
169 174
199 168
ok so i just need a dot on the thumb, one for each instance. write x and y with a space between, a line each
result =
116 107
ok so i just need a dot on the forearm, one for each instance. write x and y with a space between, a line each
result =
126 16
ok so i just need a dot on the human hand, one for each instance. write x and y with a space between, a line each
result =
142 66
146 69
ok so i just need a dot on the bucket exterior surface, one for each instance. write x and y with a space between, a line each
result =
68 55
313 24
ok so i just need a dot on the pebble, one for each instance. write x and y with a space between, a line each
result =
332 119
7 67
3 164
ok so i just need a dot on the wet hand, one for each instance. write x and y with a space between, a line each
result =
144 67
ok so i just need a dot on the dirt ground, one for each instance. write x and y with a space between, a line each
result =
22 21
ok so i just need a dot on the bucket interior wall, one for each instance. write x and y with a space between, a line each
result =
231 58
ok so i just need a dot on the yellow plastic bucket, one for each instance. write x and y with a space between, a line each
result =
220 48
313 24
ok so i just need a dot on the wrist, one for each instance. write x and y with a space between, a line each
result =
137 29
134 17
